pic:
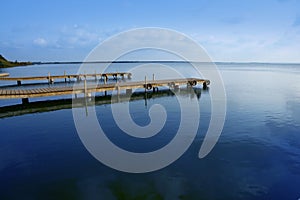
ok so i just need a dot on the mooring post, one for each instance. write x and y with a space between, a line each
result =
19 82
95 75
152 77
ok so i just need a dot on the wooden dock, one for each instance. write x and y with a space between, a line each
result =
66 77
87 89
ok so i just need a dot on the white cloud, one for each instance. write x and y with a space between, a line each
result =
76 36
40 42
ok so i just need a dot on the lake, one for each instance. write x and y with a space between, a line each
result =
256 157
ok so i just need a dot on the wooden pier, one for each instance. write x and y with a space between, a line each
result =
87 89
66 77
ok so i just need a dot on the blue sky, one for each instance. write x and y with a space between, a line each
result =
233 30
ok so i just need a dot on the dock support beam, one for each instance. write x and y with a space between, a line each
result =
204 85
49 77
65 76
85 88
25 101
128 91
118 90
155 89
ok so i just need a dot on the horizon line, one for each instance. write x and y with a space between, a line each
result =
159 61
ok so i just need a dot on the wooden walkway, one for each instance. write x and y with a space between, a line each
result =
65 77
88 89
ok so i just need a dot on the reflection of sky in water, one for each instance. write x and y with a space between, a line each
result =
257 156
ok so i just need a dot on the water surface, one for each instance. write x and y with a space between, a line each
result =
256 157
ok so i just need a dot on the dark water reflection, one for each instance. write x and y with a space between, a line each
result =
257 156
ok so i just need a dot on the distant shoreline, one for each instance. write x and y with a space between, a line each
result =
160 61
10 64
7 64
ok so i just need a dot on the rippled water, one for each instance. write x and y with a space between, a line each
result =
256 157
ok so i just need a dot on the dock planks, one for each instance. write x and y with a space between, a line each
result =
57 91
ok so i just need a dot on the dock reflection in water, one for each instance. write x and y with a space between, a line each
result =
59 104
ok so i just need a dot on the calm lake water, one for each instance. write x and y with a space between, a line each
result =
256 157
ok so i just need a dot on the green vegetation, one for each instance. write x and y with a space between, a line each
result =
5 63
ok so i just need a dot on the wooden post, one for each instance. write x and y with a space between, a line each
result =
25 100
152 77
85 88
19 82
95 75
65 76
204 85
86 106
118 90
146 91
128 91
49 77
